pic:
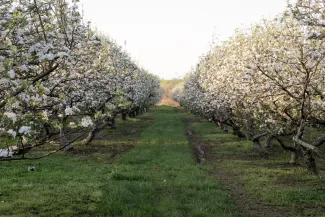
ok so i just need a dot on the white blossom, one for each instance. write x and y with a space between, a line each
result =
24 68
25 130
4 81
12 132
11 116
86 122
68 111
6 153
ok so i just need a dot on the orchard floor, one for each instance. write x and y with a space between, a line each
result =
261 185
144 168
149 167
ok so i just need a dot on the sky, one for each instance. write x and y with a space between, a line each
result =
167 37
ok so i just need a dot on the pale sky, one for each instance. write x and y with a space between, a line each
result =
167 37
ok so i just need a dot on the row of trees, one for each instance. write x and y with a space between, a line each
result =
58 77
268 80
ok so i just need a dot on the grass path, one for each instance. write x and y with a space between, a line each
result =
159 177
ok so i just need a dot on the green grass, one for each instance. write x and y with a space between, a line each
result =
66 184
161 178
158 177
266 179
60 186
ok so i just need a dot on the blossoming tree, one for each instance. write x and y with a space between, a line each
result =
266 80
59 77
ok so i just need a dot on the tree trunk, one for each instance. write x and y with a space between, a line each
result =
268 141
310 162
254 138
240 134
236 131
124 116
257 145
293 150
137 112
97 128
294 158
132 114
64 141
294 154
113 124
91 136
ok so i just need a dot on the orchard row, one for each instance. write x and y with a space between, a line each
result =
267 80
58 76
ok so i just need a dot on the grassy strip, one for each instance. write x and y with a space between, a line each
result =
159 177
262 185
67 184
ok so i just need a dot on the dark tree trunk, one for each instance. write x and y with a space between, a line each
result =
124 116
238 132
257 144
91 136
293 150
113 124
132 114
47 129
96 129
235 129
268 141
64 141
293 158
310 162
294 154
137 112
254 138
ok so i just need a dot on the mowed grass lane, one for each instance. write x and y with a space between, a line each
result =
159 177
